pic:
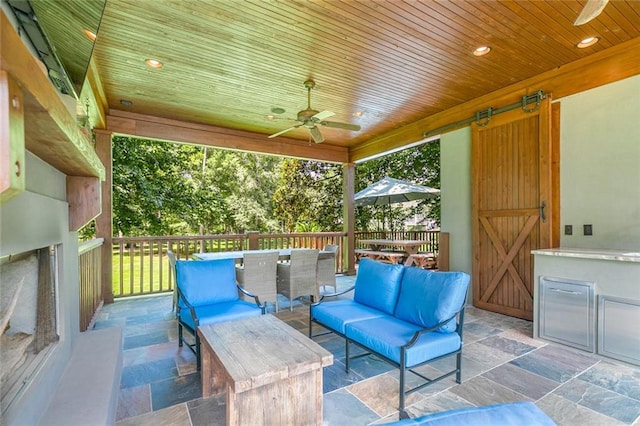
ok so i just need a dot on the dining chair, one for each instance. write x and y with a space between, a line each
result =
298 277
172 266
326 274
258 275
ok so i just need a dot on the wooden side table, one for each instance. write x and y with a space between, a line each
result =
271 372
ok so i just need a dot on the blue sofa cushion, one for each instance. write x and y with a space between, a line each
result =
336 314
220 312
378 284
513 414
385 335
205 282
428 298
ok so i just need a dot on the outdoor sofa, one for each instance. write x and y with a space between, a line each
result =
405 315
511 414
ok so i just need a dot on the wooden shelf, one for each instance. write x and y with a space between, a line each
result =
34 118
51 132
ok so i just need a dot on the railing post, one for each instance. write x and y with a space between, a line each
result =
253 240
443 251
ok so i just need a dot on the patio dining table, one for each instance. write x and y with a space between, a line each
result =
408 246
285 254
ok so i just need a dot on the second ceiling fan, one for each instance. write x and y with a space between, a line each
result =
311 118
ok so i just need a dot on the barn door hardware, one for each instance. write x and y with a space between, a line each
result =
482 118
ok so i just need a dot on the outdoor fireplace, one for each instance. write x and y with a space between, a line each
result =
28 316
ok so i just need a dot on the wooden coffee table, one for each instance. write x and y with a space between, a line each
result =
271 372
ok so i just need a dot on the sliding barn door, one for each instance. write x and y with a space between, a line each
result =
511 207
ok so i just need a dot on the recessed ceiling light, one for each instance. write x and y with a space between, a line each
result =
125 102
277 110
358 114
90 35
589 41
481 51
270 117
153 63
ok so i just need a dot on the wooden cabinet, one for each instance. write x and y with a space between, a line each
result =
34 118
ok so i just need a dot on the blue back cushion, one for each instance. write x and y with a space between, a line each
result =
378 285
428 298
206 282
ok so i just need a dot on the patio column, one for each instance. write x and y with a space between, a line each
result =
104 223
348 212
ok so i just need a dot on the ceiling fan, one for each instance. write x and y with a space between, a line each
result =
591 10
310 118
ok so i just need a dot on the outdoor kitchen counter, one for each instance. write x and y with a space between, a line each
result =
606 287
598 254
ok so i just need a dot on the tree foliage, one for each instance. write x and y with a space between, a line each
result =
420 165
162 188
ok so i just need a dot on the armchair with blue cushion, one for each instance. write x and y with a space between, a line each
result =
208 294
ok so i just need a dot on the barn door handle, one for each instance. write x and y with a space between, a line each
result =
542 216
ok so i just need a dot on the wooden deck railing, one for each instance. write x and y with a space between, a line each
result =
431 238
141 266
89 262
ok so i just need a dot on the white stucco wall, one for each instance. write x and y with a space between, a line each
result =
600 166
455 186
37 218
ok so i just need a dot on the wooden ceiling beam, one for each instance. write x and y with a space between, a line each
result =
607 66
146 126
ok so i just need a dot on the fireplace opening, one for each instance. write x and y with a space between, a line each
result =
28 317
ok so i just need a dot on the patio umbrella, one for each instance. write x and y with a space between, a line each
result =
390 190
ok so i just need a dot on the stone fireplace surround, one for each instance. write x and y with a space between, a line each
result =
34 219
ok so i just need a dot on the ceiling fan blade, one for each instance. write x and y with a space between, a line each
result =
284 131
337 125
322 115
592 9
316 135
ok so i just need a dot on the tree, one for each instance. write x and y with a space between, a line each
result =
419 165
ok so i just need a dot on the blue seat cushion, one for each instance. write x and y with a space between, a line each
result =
220 312
385 335
337 313
513 414
378 284
206 282
428 298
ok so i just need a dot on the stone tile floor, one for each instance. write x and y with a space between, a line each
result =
501 363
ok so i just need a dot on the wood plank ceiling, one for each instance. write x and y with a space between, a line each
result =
229 63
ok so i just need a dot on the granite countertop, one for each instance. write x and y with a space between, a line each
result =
585 253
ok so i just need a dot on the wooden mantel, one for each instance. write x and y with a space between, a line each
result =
35 119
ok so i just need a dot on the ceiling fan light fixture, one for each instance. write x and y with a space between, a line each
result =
587 42
481 51
153 63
